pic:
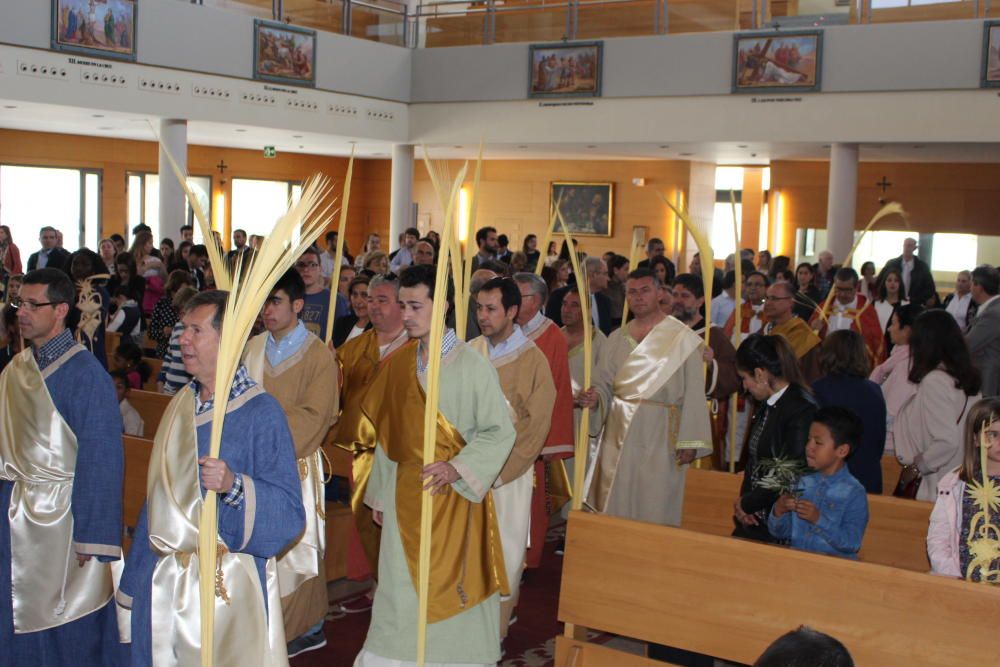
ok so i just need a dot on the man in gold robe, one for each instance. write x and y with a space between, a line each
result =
474 438
299 370
359 358
648 394
528 387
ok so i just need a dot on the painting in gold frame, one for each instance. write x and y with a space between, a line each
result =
587 208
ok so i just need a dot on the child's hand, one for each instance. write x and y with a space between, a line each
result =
807 511
784 504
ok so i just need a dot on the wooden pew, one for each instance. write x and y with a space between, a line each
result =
111 341
730 598
150 406
154 371
137 453
890 474
896 533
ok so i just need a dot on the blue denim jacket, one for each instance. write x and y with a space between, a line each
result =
843 516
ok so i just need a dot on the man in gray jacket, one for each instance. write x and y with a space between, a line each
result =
983 336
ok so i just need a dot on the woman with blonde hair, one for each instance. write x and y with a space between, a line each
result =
376 263
149 267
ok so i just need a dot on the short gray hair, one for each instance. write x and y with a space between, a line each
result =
592 265
538 285
380 280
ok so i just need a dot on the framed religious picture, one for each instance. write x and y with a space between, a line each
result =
565 70
785 62
991 54
283 53
101 28
586 207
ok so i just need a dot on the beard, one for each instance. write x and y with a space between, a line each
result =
684 314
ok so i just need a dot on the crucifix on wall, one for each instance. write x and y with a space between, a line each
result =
883 185
222 166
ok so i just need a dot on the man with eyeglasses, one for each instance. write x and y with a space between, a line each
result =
850 310
317 299
781 321
600 305
51 255
61 468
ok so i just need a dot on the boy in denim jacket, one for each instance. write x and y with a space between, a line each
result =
829 511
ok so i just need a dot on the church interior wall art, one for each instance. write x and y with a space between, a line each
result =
565 70
773 62
102 28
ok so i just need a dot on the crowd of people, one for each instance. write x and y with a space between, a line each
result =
809 377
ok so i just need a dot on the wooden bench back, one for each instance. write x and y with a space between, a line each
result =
154 371
896 533
730 598
150 405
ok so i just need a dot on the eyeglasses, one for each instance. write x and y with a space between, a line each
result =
31 306
777 298
302 266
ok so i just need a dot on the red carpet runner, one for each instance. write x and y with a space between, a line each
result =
530 643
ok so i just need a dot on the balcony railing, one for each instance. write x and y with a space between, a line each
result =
457 22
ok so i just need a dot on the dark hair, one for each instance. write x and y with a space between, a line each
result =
728 280
804 265
358 280
128 260
805 647
667 265
883 294
58 286
216 298
503 240
617 261
980 414
845 427
482 233
564 250
424 274
779 264
141 227
524 244
906 314
132 353
843 353
691 283
122 291
120 375
510 295
95 263
988 278
167 241
118 238
772 354
239 231
412 231
182 245
746 268
199 250
936 341
866 264
751 274
331 236
639 274
764 252
652 242
184 228
291 283
846 273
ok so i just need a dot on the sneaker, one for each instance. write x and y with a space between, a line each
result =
355 606
560 547
306 643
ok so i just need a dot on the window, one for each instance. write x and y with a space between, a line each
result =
258 205
954 252
144 203
727 179
66 199
879 247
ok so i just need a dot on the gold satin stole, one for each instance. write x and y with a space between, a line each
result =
302 560
38 454
245 632
645 371
359 359
467 564
798 334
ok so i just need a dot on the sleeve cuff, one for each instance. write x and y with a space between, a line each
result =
466 475
235 496
249 494
99 550
123 600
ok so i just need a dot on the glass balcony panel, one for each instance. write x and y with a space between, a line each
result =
902 11
379 22
451 24
616 19
525 21
810 13
262 9
325 15
685 16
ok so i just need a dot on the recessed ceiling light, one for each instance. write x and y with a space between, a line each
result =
9 106
918 146
664 145
686 154
826 145
522 147
742 146
105 128
301 146
591 146
239 129
457 147
97 115
296 136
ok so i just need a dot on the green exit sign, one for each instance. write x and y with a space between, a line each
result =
269 151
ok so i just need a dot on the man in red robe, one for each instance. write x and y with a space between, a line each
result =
850 310
559 443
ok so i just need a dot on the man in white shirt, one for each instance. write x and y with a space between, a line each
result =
404 256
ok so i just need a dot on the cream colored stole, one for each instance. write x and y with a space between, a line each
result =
38 454
300 562
245 633
645 371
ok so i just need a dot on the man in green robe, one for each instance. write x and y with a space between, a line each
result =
474 438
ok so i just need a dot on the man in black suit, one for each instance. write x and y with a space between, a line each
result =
600 305
916 274
51 255
656 248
